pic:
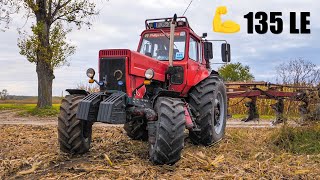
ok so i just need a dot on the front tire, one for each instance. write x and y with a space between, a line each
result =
74 135
169 135
208 102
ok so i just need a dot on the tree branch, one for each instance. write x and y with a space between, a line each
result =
32 5
64 15
59 6
64 4
56 10
50 8
64 19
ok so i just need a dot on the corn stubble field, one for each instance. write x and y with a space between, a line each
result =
32 152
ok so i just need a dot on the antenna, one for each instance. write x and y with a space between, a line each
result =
187 8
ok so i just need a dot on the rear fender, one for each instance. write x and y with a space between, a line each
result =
164 93
194 78
77 91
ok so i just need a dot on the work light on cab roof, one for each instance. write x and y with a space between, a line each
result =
165 23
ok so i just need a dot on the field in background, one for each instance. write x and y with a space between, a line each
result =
30 109
264 108
26 106
27 100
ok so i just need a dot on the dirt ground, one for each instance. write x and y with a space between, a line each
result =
31 151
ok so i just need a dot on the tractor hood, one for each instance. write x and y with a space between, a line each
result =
136 63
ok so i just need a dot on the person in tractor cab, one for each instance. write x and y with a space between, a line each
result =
162 53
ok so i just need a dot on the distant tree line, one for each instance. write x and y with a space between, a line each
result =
296 72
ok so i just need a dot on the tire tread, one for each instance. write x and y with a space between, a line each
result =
70 129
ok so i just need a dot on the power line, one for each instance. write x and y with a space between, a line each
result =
187 8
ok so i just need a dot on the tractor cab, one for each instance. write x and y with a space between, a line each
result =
191 54
155 42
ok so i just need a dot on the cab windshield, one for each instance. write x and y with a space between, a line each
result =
156 45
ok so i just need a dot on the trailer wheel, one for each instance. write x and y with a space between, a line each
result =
136 128
74 135
208 102
169 135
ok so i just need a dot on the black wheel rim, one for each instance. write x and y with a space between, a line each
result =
218 113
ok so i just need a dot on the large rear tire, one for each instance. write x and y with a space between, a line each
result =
169 136
208 102
74 135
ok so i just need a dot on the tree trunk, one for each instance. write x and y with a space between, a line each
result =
44 58
45 78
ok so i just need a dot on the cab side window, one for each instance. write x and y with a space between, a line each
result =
193 49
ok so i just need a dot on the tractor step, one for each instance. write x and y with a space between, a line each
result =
112 109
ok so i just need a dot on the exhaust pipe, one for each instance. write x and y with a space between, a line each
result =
172 28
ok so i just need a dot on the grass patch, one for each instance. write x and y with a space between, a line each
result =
298 140
17 106
42 112
31 109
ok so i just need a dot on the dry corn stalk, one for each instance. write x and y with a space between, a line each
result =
106 157
34 167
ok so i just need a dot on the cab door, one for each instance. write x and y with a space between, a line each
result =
193 60
197 70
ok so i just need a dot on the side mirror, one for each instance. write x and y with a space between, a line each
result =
204 35
226 52
208 52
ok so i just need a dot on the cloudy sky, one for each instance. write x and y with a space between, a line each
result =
121 21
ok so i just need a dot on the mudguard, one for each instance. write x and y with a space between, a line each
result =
77 91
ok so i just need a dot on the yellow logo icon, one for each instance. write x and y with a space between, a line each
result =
224 27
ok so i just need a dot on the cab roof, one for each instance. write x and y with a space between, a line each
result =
153 25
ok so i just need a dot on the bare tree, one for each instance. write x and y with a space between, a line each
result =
298 72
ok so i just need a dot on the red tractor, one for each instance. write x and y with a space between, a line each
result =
157 92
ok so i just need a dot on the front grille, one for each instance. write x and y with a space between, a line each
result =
110 70
118 52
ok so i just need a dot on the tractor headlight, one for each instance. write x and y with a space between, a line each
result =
149 74
90 73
